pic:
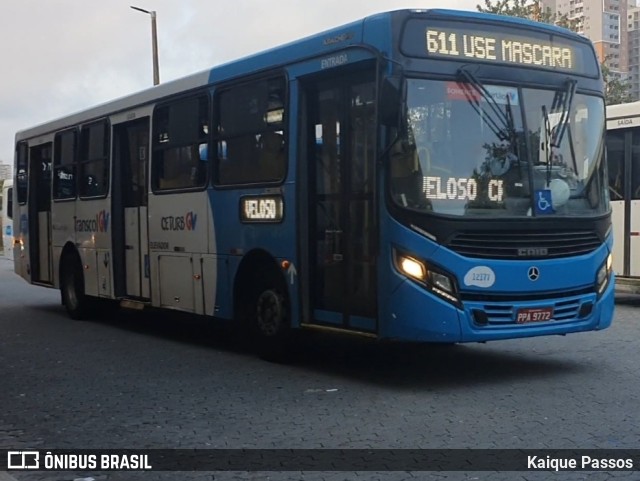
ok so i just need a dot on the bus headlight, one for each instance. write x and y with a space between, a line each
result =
442 285
411 267
435 280
603 275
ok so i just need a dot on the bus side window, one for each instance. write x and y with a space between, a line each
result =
272 155
9 201
251 133
180 148
94 159
615 158
64 165
635 164
22 172
406 178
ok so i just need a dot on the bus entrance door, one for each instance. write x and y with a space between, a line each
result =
129 209
40 158
341 207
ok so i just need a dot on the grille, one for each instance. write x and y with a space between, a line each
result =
486 298
524 245
504 314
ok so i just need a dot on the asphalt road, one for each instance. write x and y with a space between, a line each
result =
150 380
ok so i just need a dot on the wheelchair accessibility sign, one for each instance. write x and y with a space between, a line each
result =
543 202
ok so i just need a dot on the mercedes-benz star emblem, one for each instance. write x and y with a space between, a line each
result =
533 273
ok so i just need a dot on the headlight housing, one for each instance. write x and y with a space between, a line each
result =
603 275
434 279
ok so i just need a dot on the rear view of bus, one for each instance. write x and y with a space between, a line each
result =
499 216
6 218
623 157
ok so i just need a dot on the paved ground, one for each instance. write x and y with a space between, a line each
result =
151 381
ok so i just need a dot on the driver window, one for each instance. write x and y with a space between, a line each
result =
406 177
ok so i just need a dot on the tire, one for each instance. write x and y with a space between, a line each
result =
72 287
272 331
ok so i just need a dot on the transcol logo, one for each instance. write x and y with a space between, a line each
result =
99 224
185 222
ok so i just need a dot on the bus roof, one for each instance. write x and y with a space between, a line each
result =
622 116
505 19
631 109
315 45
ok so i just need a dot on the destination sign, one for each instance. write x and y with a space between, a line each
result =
497 48
497 44
261 209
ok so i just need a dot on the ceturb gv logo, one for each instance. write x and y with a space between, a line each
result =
98 224
178 223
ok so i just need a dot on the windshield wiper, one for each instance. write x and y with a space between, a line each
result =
504 127
501 128
547 142
562 102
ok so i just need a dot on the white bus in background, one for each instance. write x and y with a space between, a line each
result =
623 151
6 218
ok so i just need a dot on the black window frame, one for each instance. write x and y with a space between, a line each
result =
161 145
220 136
83 158
41 182
22 185
9 201
634 158
57 166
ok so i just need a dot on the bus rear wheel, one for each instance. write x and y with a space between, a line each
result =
272 331
72 285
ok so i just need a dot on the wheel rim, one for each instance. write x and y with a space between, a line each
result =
270 313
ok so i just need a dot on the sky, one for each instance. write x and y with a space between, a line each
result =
62 56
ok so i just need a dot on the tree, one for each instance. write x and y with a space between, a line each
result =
529 9
617 91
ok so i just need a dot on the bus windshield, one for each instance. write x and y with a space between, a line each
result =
471 149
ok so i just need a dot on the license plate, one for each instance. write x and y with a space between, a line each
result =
534 314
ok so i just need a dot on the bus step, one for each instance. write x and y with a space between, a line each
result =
131 304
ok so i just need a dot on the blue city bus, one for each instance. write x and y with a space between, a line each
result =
419 175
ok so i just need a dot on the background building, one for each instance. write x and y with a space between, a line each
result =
613 27
5 171
633 29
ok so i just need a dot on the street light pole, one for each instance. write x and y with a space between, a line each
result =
154 43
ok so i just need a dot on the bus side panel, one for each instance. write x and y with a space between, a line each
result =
92 227
210 275
237 239
178 238
617 221
21 249
634 239
62 232
214 268
89 259
177 286
44 261
6 221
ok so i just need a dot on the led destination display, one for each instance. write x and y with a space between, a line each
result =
495 47
497 44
